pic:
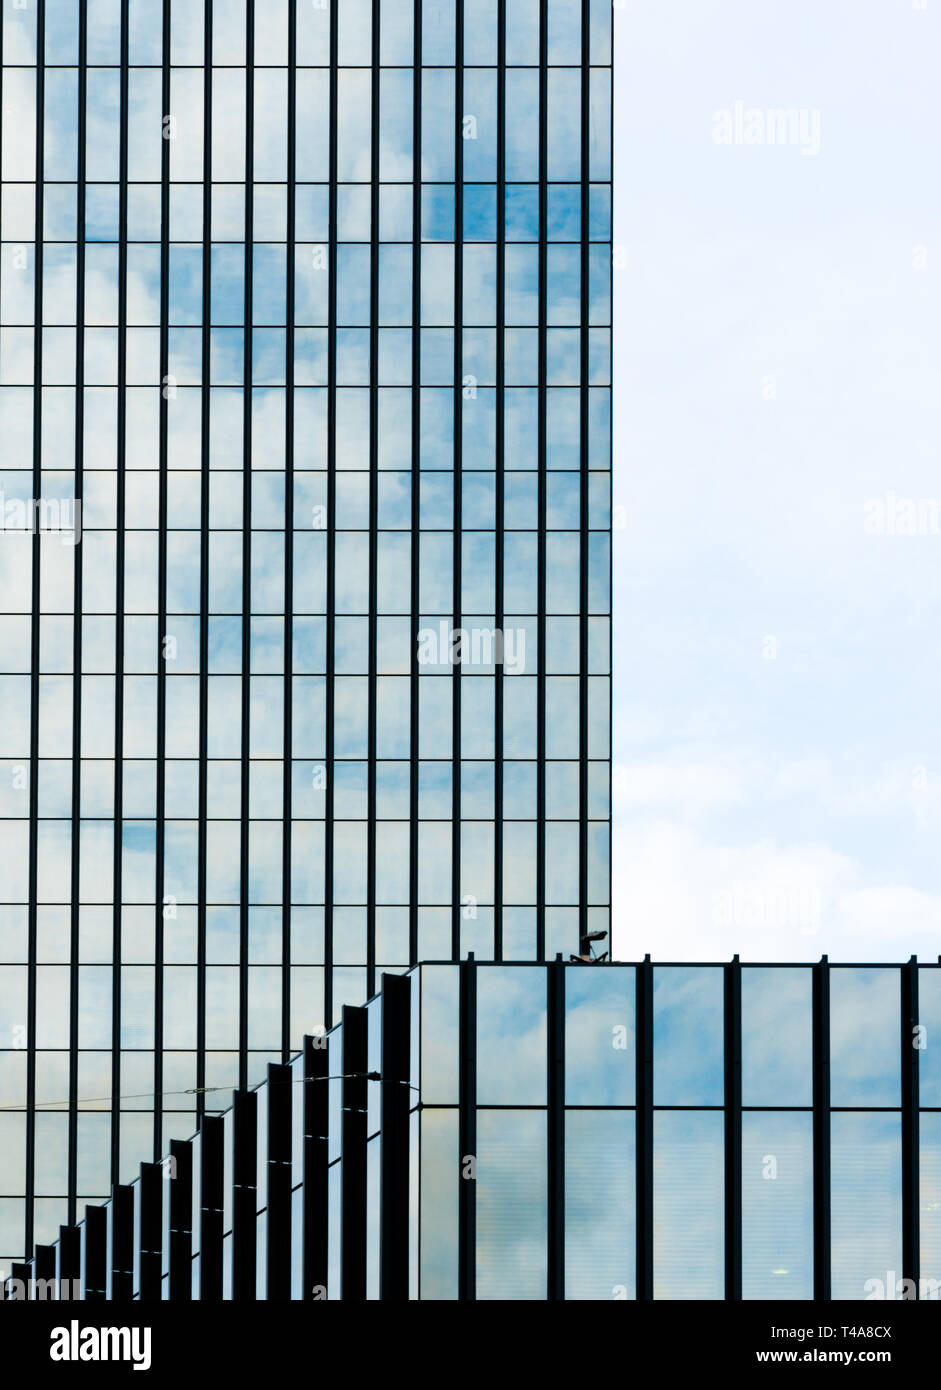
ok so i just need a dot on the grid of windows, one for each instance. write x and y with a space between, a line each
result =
679 1132
493 1131
305 353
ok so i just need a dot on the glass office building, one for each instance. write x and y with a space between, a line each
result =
304 369
563 1131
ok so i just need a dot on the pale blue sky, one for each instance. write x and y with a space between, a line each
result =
777 799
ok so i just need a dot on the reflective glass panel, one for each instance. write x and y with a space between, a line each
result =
599 1036
688 1035
866 1203
600 1199
511 1204
688 1205
777 1205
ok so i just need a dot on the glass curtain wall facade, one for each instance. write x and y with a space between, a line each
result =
501 1132
305 363
679 1131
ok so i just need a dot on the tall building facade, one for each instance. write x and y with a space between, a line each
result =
560 1131
304 618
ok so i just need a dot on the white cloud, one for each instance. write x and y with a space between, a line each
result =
690 787
681 897
694 784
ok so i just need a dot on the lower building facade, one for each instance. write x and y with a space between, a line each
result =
557 1131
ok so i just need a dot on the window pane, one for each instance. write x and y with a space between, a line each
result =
929 1016
511 1204
599 1204
439 1034
777 1205
439 1192
930 1146
599 1036
866 1214
440 1187
864 1037
511 1035
687 1035
688 1205
777 1036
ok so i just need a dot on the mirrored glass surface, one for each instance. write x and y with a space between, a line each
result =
866 1203
777 1205
600 1201
689 1202
599 1036
777 1036
511 1035
511 1204
688 1026
865 1066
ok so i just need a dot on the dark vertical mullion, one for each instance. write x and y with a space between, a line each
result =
733 1129
555 973
330 694
499 616
121 1273
246 536
541 477
467 1132
245 1122
316 1122
644 1139
821 1064
204 552
75 917
211 1202
353 1165
119 732
95 1254
68 1250
394 1138
286 806
278 1234
584 479
20 1275
457 601
180 1221
373 510
45 1263
414 705
911 1204
164 445
36 555
149 1238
